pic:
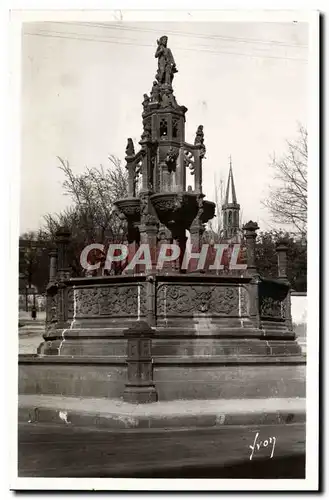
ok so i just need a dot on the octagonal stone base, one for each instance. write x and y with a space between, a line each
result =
206 342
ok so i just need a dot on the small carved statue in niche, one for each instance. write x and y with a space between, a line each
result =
166 62
146 213
189 161
164 234
147 132
146 103
155 92
165 101
200 207
130 150
172 155
168 99
199 141
144 205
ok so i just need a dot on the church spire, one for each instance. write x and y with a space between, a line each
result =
230 182
231 209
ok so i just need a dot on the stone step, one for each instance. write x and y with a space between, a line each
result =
117 414
172 346
193 378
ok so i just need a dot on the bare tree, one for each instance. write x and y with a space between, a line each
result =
287 200
92 217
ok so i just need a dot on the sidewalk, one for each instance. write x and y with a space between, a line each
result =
116 414
30 335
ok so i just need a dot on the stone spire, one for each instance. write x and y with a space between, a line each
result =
230 182
231 210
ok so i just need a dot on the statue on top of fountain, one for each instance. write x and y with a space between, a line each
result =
166 62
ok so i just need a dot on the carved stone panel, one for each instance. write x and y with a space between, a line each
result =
187 300
133 371
271 308
244 301
145 372
107 301
225 300
145 348
133 349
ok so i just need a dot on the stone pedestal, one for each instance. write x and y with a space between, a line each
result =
139 387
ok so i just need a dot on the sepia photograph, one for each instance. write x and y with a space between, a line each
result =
166 202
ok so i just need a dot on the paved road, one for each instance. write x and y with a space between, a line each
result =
67 451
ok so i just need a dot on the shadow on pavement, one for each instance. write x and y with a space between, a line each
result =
292 467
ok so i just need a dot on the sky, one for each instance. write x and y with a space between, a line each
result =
83 85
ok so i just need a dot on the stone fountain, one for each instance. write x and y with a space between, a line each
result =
171 333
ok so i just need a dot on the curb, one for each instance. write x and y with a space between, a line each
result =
42 415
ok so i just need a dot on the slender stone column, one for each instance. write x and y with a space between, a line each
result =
131 176
63 273
140 387
197 172
51 293
182 246
164 238
133 244
282 250
150 300
63 237
52 265
250 230
149 233
250 236
196 230
182 170
179 239
51 311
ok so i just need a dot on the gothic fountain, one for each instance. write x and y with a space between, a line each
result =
172 333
